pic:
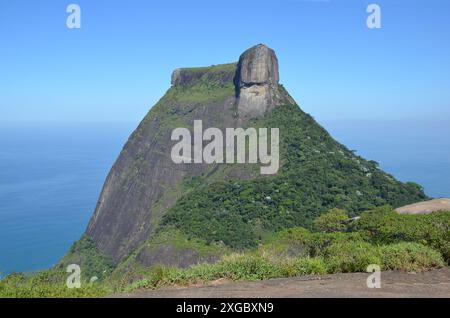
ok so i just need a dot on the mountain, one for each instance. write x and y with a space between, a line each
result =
152 210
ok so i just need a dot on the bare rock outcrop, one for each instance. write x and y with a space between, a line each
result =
258 66
220 74
425 207
256 81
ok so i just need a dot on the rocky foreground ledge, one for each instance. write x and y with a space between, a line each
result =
394 284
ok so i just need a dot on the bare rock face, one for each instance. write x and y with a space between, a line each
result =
176 76
170 256
144 181
426 207
257 82
184 77
258 66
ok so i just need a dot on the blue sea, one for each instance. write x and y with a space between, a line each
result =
51 176
50 179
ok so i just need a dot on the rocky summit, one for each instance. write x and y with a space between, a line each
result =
153 211
257 81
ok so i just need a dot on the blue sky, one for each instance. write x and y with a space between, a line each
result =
119 63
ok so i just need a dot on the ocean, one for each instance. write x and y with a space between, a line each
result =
50 179
51 176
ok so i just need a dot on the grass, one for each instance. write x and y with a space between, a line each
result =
202 92
261 265
48 284
209 86
339 257
235 267
229 67
84 253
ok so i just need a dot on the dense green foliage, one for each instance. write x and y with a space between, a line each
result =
385 226
298 251
411 257
84 253
344 252
356 256
334 220
47 284
179 241
52 283
259 265
380 236
317 174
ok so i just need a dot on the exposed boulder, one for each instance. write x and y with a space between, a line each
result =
257 82
258 65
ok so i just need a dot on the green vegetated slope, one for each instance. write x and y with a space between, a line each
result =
85 252
390 240
234 205
230 212
335 244
317 174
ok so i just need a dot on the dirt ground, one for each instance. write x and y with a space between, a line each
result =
434 283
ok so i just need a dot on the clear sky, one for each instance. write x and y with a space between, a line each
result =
119 63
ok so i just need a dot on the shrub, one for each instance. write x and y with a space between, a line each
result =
292 267
86 255
319 242
347 257
385 226
409 257
247 267
308 266
333 221
44 285
299 242
293 242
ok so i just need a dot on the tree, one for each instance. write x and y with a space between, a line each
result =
334 220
